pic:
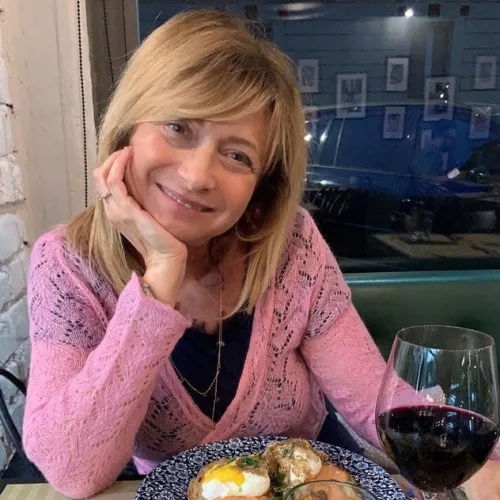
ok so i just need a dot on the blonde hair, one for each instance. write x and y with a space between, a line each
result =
206 64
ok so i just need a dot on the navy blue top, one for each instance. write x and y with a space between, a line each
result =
195 357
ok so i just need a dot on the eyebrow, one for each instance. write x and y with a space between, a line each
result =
243 141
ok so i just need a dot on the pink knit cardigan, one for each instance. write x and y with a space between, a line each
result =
102 388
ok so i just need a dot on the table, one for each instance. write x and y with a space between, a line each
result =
122 490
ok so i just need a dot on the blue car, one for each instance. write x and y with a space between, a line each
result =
352 152
435 177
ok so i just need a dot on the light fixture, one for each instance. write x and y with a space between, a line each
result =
409 12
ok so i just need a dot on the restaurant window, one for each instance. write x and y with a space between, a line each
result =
403 118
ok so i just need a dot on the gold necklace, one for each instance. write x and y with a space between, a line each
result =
215 381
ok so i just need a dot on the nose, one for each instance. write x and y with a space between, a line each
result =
197 168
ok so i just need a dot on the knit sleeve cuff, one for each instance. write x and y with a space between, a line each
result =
153 327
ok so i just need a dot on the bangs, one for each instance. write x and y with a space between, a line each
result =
207 96
213 74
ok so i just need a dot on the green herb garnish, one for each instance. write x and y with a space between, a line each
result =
287 452
251 462
278 481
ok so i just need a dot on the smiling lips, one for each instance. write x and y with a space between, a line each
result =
185 202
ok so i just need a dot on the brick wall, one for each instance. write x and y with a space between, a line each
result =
14 344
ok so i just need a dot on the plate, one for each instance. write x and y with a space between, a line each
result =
170 480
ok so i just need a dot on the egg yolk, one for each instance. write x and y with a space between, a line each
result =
225 474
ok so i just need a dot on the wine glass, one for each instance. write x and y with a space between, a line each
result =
437 410
327 490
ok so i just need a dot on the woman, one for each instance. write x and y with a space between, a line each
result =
202 158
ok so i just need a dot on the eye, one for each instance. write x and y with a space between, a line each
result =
177 127
241 158
179 133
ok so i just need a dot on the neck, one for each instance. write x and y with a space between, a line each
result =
199 261
206 259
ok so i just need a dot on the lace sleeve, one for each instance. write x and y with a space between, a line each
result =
331 294
90 381
341 354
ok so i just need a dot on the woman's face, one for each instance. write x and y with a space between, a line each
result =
197 177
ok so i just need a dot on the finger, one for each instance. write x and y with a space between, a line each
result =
101 173
115 179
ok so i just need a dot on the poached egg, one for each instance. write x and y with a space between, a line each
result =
240 478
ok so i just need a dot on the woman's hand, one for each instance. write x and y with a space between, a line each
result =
485 485
164 255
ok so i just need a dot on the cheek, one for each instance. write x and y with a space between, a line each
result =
150 152
148 155
237 195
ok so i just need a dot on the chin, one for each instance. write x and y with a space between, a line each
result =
192 235
188 238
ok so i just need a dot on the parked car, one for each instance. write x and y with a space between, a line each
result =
359 183
352 152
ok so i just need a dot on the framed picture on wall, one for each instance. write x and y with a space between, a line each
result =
397 74
439 98
351 95
394 122
486 73
480 119
308 73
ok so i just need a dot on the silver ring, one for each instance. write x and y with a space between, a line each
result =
105 195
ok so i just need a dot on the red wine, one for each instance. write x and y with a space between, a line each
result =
437 448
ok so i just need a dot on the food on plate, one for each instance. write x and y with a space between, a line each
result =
295 461
244 477
324 491
270 475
